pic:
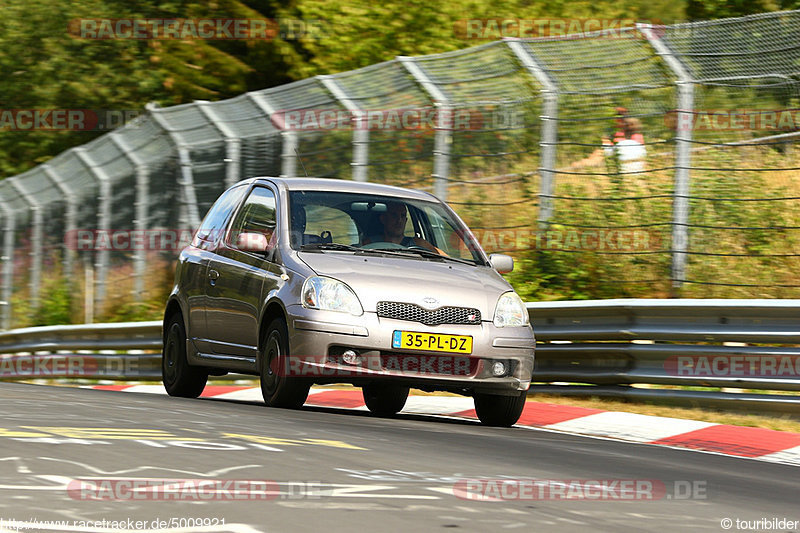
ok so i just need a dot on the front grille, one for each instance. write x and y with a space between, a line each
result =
415 313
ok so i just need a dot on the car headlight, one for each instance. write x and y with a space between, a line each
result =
510 311
330 294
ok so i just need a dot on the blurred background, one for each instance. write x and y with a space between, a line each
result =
650 160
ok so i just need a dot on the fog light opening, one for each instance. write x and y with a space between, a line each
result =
498 368
351 357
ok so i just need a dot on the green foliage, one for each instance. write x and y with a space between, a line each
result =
714 9
44 66
56 304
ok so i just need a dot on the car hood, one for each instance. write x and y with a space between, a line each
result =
375 279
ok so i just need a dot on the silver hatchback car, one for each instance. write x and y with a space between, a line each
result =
306 281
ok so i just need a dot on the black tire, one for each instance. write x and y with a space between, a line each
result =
383 399
179 378
278 389
499 411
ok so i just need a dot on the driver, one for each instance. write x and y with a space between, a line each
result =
394 225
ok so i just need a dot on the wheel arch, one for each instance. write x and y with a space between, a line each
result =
173 306
274 309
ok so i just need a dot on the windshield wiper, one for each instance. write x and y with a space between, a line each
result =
329 246
434 255
404 252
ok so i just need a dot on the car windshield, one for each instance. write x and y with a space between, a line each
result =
367 223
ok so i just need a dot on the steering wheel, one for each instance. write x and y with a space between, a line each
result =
384 244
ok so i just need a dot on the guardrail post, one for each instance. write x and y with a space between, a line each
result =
233 145
444 137
6 290
140 208
289 145
360 129
36 241
549 129
103 222
71 218
683 147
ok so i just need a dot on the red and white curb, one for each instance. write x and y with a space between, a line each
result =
756 443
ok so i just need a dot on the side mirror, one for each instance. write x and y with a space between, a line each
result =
253 242
502 263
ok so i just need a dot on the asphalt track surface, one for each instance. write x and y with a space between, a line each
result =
323 469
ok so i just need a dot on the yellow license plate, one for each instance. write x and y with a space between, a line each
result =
432 342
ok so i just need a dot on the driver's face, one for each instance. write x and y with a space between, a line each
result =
394 220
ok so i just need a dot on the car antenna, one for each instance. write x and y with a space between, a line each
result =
301 162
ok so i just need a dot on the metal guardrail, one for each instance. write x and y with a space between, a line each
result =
84 351
611 345
605 345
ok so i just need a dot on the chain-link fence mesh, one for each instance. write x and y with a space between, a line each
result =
649 161
744 214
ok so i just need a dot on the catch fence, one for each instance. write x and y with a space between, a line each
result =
511 133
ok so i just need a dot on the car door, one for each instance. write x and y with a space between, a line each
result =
194 264
237 279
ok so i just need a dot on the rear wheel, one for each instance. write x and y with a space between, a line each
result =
180 378
278 388
499 411
385 400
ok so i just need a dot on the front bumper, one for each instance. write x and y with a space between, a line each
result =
318 340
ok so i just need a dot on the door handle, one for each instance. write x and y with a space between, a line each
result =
213 275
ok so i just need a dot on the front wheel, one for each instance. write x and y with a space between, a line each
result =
179 378
277 387
384 400
499 411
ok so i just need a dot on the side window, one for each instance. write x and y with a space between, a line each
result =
257 215
321 219
214 221
447 238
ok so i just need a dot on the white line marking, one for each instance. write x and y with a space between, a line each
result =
213 473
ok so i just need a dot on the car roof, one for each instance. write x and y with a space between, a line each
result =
337 185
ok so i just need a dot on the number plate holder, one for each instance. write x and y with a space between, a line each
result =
431 342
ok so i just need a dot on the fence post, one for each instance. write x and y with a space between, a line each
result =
549 130
233 145
141 211
683 147
360 129
443 140
36 241
6 290
104 223
71 218
289 144
190 210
